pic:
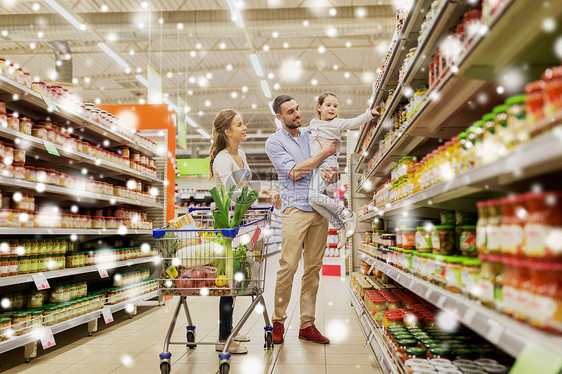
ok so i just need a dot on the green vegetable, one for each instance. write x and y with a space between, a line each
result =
222 201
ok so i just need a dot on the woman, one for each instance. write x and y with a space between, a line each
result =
229 167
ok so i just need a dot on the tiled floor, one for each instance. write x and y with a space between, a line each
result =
133 345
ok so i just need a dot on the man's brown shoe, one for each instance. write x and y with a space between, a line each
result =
311 333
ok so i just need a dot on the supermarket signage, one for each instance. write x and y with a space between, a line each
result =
154 86
182 125
51 104
103 271
47 338
107 315
51 148
41 281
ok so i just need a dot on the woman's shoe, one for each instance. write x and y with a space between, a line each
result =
235 348
241 338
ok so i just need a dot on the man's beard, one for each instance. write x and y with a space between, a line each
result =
291 126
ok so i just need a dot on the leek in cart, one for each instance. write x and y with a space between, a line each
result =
223 219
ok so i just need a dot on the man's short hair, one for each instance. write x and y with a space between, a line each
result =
278 101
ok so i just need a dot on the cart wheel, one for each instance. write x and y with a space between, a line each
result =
268 340
165 368
224 368
191 339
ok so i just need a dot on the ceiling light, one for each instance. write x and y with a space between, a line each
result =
200 113
127 70
254 105
32 45
347 74
321 49
331 31
170 74
276 86
285 45
66 14
36 7
207 103
235 12
191 79
131 52
256 64
142 80
4 33
222 46
141 25
360 12
265 88
142 101
180 26
97 101
198 46
191 122
161 20
209 75
265 47
113 55
74 80
104 8
193 53
229 67
144 4
112 37
348 44
349 101
271 75
171 104
87 80
305 23
335 67
333 12
314 82
244 89
275 34
40 34
190 92
234 94
204 133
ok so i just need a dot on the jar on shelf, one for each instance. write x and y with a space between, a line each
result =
493 233
534 103
25 125
545 289
5 327
20 323
443 240
500 112
544 219
552 90
467 241
423 240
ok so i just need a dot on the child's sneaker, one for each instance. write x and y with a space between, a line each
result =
342 238
350 225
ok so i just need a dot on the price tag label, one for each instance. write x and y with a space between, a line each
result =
47 338
41 281
103 271
469 316
50 104
495 332
107 315
51 148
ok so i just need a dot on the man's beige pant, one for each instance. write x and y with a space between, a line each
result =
311 229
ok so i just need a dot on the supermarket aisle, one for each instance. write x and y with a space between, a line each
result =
132 346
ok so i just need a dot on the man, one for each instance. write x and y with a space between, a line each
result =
289 151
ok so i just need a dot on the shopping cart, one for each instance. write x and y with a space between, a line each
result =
198 260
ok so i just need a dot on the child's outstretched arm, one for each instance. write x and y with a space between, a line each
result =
355 123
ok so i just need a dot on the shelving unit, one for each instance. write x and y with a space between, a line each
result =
37 148
496 327
374 338
33 104
72 193
26 278
460 96
32 337
440 114
38 231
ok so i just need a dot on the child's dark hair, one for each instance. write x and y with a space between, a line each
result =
323 97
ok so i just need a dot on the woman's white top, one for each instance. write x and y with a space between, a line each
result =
226 171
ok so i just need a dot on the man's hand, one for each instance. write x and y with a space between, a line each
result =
376 111
330 174
328 148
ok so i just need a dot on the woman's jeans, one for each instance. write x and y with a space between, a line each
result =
226 309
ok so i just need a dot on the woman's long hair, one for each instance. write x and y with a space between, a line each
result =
222 122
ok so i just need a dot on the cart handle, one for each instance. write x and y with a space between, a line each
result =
229 233
194 209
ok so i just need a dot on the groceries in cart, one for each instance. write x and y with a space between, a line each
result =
213 252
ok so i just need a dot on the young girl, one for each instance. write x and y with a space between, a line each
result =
326 128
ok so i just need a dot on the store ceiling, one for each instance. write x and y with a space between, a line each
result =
305 47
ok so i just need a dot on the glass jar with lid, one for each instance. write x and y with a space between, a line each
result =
423 240
467 241
443 240
501 127
493 233
534 103
519 131
20 323
545 214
